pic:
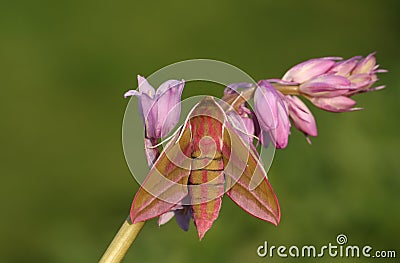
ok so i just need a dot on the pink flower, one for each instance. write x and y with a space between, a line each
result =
361 72
272 114
183 215
243 118
309 69
160 110
301 116
327 85
335 104
344 68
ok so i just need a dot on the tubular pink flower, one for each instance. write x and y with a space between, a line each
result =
160 110
272 114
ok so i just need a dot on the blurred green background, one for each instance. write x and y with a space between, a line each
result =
65 185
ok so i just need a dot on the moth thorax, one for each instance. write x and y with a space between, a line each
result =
207 148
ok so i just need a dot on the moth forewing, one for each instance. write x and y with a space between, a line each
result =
166 183
246 179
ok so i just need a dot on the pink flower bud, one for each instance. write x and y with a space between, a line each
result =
272 114
325 86
344 68
360 71
366 65
334 104
301 116
309 69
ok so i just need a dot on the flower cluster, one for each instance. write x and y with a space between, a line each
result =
158 108
329 83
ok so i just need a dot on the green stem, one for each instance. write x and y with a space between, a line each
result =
287 89
122 241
